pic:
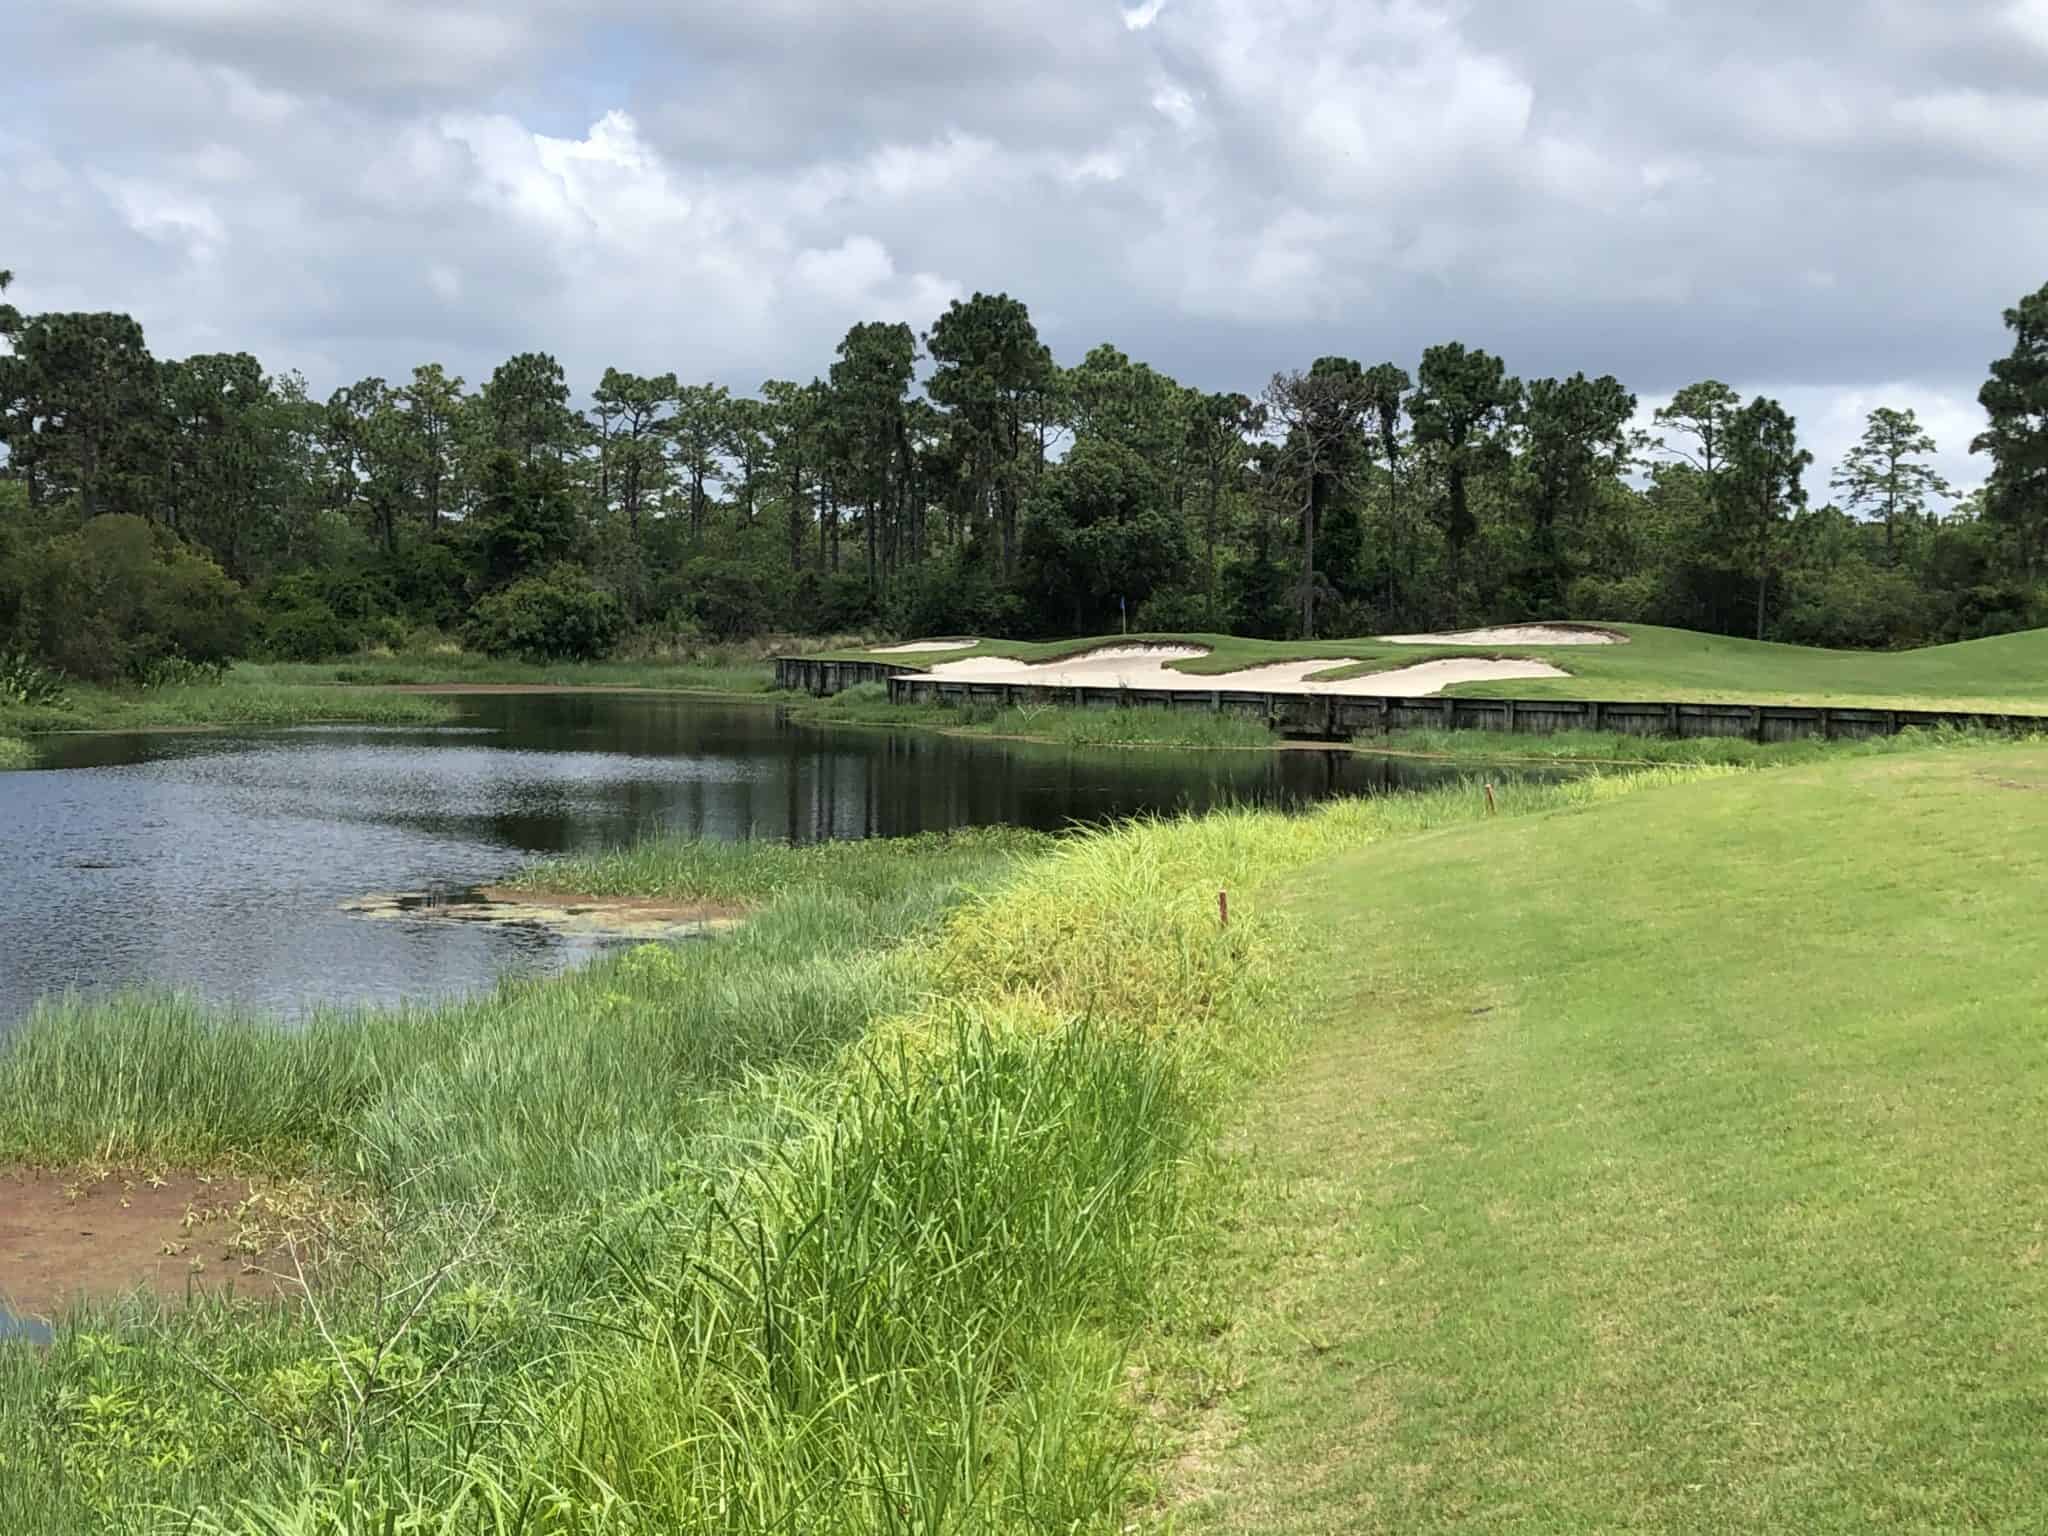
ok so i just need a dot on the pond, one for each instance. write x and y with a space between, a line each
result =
217 862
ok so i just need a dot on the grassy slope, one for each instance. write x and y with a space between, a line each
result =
2008 672
1663 1166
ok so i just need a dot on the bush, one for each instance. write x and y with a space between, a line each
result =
308 631
1181 610
105 602
560 615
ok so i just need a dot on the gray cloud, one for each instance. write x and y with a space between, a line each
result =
1832 201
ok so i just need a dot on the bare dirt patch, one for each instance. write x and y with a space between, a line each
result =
67 1235
565 912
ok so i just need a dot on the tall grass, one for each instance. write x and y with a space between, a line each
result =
234 702
868 704
1611 747
730 666
841 1223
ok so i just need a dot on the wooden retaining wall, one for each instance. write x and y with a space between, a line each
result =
1339 717
821 679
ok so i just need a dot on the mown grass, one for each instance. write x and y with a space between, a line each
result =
1661 1166
2005 673
845 1222
868 704
235 701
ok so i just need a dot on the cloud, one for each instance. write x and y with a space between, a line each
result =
1752 191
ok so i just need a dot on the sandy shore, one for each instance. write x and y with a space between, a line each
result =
1144 666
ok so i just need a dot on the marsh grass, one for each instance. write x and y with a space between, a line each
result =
868 704
735 666
237 701
843 1222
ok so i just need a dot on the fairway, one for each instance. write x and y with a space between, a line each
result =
2008 673
1671 1163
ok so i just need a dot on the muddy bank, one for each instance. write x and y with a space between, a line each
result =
69 1235
570 913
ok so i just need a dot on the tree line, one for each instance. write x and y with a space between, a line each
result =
963 481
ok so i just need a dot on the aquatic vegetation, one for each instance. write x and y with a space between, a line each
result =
233 702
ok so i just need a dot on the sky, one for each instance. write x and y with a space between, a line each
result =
1831 203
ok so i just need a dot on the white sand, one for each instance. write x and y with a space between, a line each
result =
1514 634
915 647
1144 666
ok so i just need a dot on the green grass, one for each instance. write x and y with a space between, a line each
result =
846 1221
740 666
1663 1165
868 704
2006 673
1653 1156
1612 747
16 753
236 701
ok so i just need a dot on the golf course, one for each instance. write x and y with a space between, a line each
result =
2006 673
1646 1148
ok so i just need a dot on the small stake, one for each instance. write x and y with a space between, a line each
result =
1223 908
1489 800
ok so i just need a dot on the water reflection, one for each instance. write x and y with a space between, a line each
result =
214 862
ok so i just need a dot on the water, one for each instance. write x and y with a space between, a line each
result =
23 1330
215 862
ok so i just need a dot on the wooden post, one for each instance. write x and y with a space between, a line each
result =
1490 807
1223 908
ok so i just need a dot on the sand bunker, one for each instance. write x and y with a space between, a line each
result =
1144 666
917 647
1514 634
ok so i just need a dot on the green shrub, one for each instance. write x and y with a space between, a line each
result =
23 681
105 601
179 672
560 615
308 631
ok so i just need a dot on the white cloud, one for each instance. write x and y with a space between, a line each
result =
1222 187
